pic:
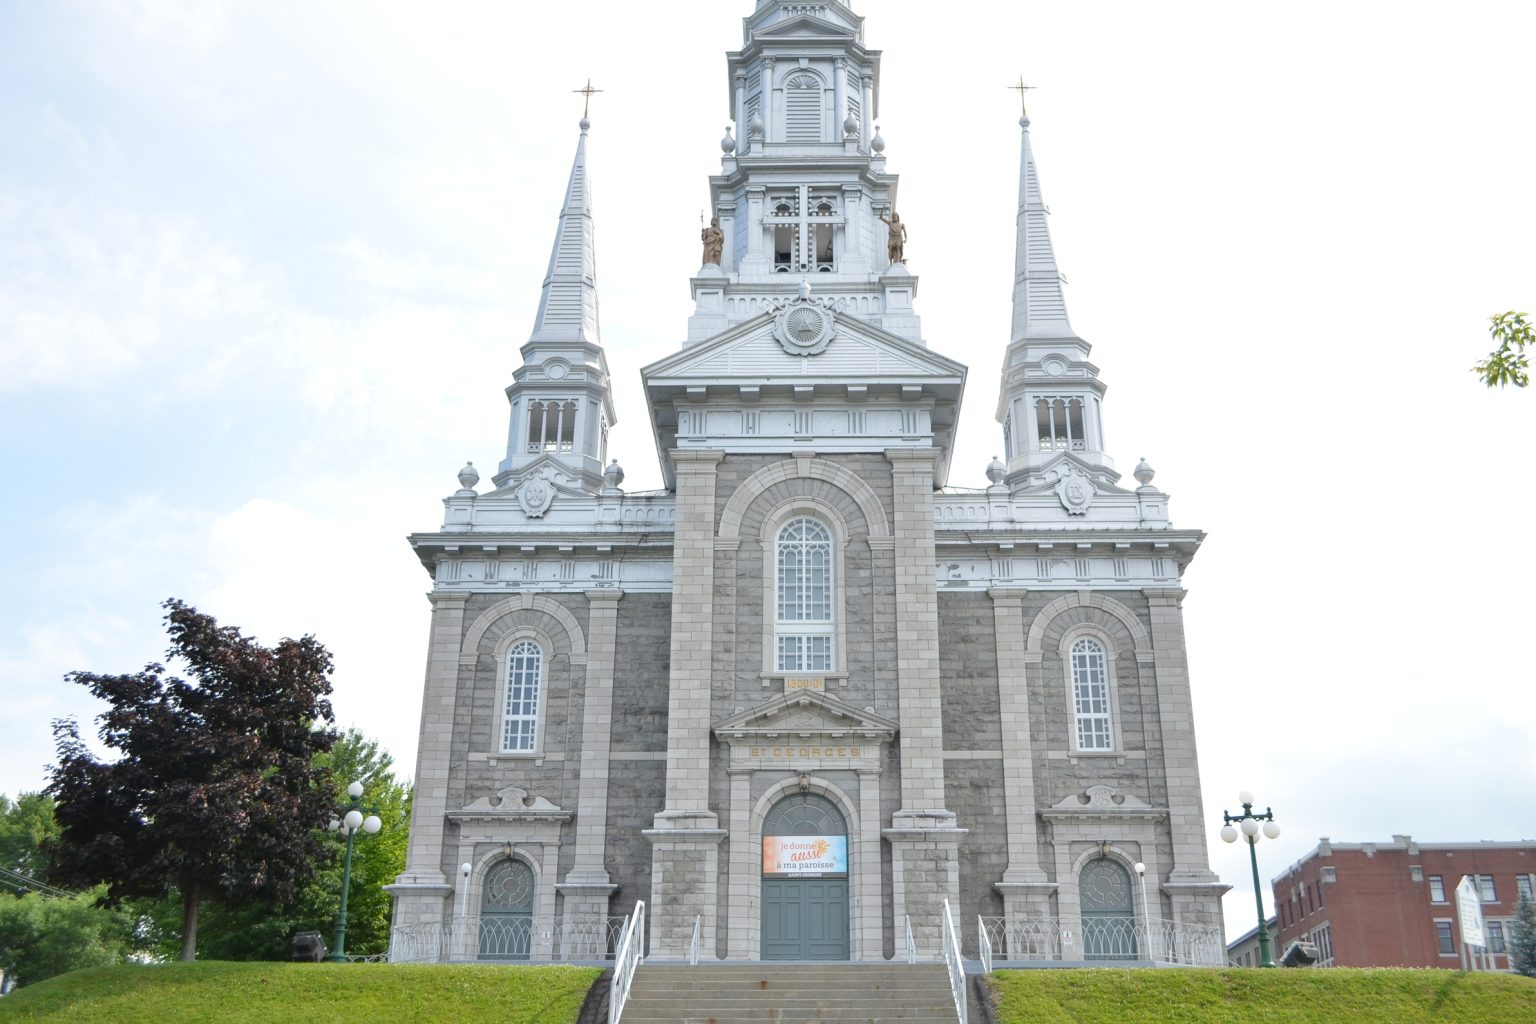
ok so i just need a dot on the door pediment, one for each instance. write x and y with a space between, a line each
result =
804 717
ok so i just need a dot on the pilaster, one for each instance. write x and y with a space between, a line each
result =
421 892
587 887
1024 887
685 839
917 633
925 844
1186 817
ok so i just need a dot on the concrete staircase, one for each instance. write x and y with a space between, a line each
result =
758 993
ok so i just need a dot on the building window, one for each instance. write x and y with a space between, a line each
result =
1446 938
803 627
1059 424
1322 938
1436 889
520 709
1485 890
1090 695
1495 936
551 427
1524 887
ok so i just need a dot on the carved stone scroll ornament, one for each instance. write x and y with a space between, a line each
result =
535 496
1075 489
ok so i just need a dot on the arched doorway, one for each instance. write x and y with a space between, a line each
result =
506 912
805 880
1109 917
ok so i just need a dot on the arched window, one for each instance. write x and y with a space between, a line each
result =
551 426
803 622
525 684
1090 695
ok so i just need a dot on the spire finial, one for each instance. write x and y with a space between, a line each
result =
586 105
1023 91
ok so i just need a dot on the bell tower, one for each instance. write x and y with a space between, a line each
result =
562 407
803 193
1051 395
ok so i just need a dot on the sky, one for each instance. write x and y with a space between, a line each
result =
265 268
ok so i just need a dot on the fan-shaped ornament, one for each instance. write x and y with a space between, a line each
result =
804 328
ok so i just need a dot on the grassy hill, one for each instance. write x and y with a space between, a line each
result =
274 993
270 993
1240 996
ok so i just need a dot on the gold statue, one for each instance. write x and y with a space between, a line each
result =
897 240
714 241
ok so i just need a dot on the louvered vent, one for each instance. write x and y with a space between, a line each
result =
802 109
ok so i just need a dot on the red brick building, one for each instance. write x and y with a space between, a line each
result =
1394 904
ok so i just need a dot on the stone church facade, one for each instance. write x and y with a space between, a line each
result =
809 691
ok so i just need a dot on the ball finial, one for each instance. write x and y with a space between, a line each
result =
469 476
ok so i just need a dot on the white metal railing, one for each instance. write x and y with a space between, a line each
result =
693 947
954 963
911 944
1120 938
505 938
984 945
1022 938
630 956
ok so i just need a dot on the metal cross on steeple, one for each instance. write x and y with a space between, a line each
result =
1023 93
588 91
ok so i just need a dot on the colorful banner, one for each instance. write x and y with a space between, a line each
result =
805 856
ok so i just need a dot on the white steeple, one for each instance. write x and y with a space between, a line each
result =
1039 311
1051 396
561 403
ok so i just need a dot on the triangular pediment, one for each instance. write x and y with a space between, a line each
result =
751 352
802 26
808 715
1068 464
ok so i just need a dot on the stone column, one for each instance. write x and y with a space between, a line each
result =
684 837
421 892
755 262
870 925
839 96
925 843
853 258
1193 888
745 904
587 886
867 112
743 142
765 102
1024 887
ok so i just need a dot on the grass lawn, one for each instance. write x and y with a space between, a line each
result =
1239 996
274 993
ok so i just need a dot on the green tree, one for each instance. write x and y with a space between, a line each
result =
41 936
216 790
1522 938
25 826
263 929
1509 363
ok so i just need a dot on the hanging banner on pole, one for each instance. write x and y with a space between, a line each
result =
805 856
1469 911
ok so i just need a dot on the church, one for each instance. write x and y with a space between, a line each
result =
811 692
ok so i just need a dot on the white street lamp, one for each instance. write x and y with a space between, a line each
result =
1146 915
1249 821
